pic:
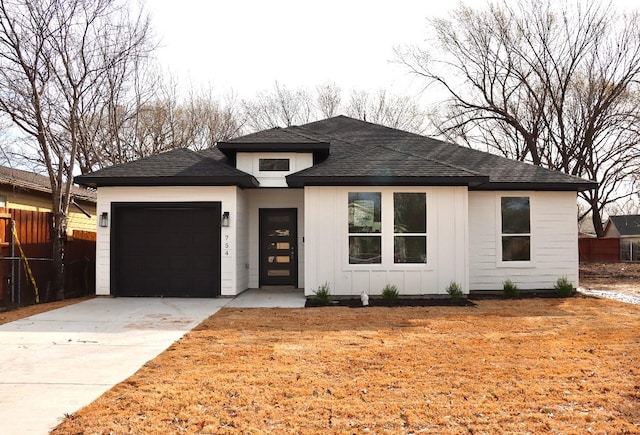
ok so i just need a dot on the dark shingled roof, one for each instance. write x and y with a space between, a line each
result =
628 225
31 181
364 149
347 152
276 139
180 167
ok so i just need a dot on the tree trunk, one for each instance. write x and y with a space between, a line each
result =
58 234
597 218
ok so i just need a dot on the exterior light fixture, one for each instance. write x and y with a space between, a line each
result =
225 219
104 219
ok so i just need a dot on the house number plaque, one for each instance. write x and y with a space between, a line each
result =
227 246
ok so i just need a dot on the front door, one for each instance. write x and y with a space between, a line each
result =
278 246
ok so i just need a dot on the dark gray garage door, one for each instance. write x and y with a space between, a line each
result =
168 250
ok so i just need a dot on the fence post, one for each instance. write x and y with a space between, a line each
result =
13 262
19 282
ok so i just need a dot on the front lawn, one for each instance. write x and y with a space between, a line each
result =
531 365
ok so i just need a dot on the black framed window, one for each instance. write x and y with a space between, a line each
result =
273 165
410 227
365 226
516 228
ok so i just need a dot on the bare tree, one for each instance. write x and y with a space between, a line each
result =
329 99
542 82
387 109
214 120
279 107
283 107
53 54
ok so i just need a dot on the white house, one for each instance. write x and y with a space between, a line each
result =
339 201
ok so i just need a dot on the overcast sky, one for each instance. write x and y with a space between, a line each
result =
245 45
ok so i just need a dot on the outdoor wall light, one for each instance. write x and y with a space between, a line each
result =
225 219
104 219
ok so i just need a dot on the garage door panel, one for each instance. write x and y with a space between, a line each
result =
163 250
204 262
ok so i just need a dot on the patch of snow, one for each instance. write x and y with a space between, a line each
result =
622 297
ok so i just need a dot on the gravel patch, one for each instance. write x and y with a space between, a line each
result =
622 297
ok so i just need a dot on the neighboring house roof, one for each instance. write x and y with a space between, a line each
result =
348 152
31 181
628 225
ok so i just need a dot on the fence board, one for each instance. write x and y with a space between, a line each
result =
605 250
34 232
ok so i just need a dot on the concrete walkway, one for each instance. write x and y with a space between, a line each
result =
270 297
56 362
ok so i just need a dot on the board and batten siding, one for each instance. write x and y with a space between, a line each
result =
233 281
554 241
273 198
327 244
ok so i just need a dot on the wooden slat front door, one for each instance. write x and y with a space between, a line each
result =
278 247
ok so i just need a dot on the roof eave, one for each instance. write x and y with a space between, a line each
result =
240 181
230 149
555 186
301 181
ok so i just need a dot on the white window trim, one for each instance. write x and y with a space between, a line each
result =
394 234
387 232
356 266
532 244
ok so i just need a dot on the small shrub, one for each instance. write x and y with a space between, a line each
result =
390 293
563 287
323 295
455 291
510 289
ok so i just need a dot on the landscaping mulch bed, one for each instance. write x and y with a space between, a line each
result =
401 302
505 366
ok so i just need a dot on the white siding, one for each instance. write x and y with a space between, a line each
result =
248 162
242 241
273 198
326 236
554 241
232 199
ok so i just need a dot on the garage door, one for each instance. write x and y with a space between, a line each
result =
168 250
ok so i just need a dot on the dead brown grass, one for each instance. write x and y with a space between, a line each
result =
32 310
524 366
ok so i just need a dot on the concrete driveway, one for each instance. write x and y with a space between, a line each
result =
54 363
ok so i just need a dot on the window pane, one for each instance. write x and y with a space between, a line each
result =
625 250
410 212
516 248
635 251
273 164
364 212
515 215
364 250
410 249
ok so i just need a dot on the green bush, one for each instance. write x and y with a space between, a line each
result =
323 295
390 293
455 291
563 287
510 289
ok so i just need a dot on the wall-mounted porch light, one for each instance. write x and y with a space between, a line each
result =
225 219
104 219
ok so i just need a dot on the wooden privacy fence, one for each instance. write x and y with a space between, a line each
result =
606 250
33 230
